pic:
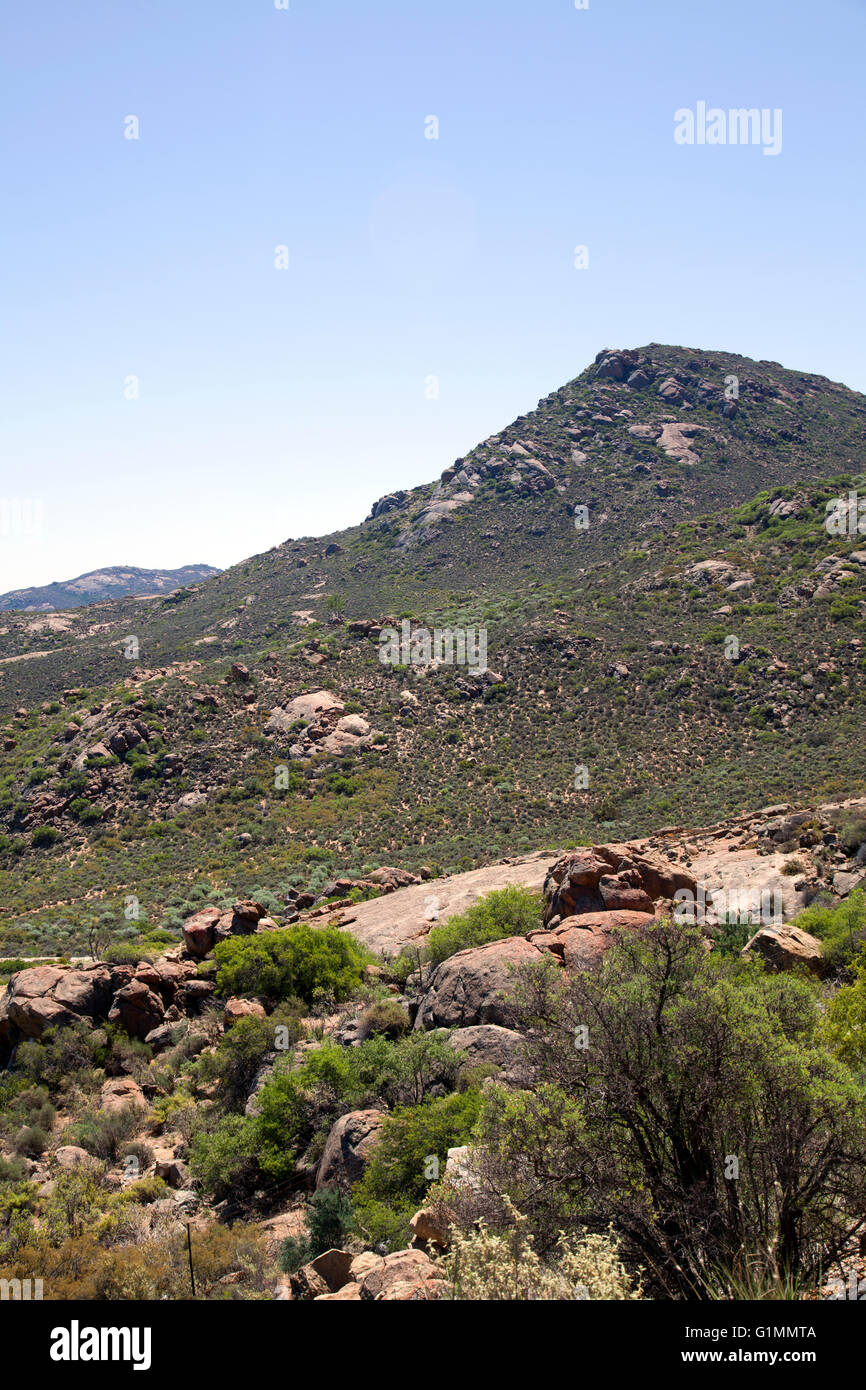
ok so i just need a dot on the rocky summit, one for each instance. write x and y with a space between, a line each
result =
468 904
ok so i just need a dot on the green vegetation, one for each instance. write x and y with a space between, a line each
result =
840 929
504 912
707 1122
409 1156
303 962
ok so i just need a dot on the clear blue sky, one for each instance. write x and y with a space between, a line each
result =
282 403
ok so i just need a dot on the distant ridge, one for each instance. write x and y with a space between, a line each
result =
119 581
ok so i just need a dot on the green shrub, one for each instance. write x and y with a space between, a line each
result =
44 836
242 1052
329 1221
840 929
845 1022
504 912
409 1155
303 962
223 1160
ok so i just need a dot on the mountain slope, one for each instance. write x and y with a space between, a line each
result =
617 698
116 582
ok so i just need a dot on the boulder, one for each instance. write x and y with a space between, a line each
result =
137 1009
405 1276
348 1147
489 1044
430 1227
195 993
473 986
579 943
29 1005
390 878
170 1168
459 1170
353 724
783 948
333 1267
307 1283
624 891
349 1293
71 1156
611 877
365 1264
198 931
86 991
120 1092
161 1038
242 1008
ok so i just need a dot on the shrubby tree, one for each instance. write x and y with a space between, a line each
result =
691 1103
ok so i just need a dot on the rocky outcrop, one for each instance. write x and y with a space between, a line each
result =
348 1147
55 996
140 999
318 724
475 987
579 943
609 878
406 1276
590 895
204 929
137 1009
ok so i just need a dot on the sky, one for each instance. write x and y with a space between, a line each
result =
176 389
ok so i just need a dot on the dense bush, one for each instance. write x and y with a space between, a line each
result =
504 912
840 929
409 1155
705 1119
242 1052
845 1023
296 1107
302 962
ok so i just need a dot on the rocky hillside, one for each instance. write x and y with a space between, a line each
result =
320 1112
390 977
97 585
686 644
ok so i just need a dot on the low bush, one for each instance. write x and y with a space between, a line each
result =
505 912
486 1266
304 962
